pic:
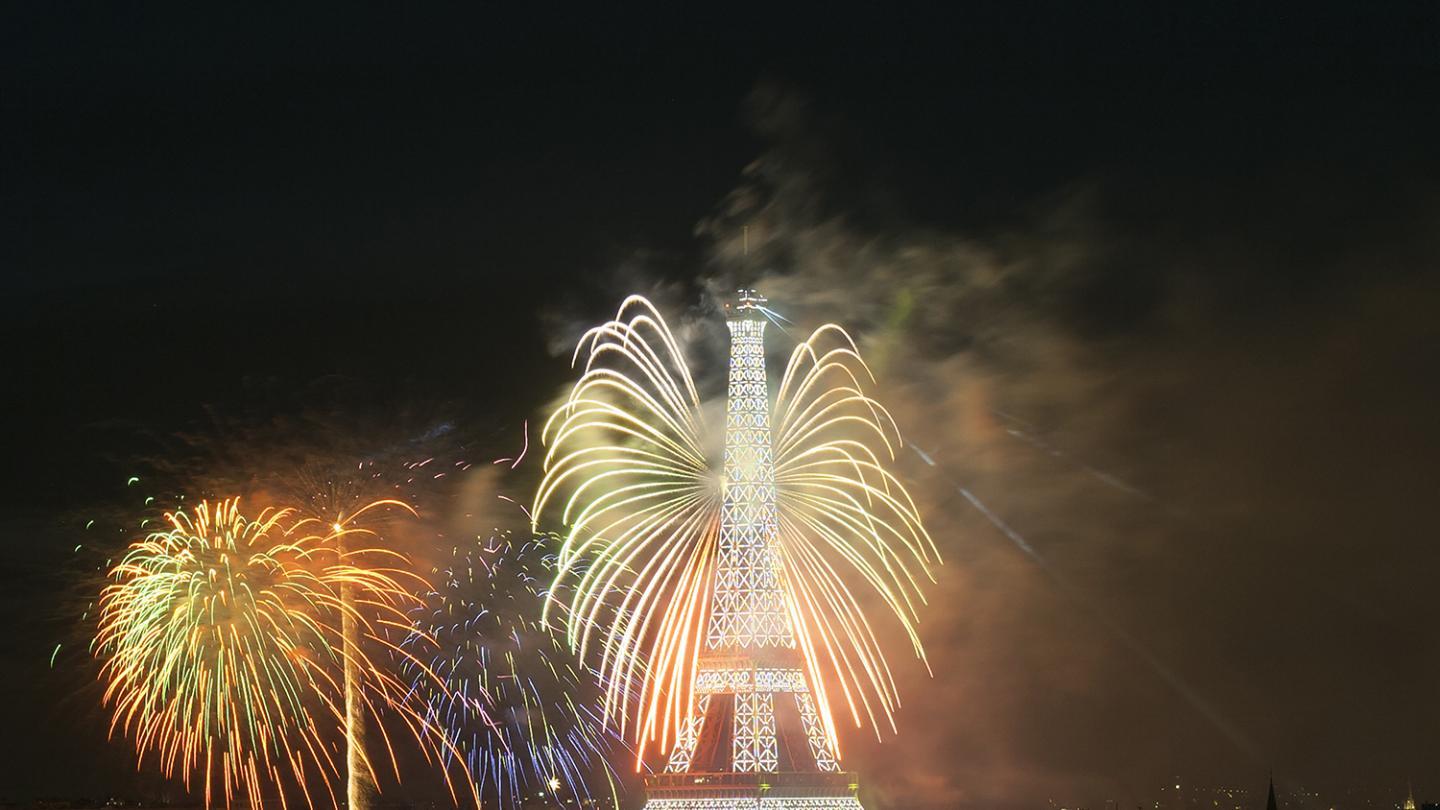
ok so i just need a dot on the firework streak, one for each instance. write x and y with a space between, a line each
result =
631 473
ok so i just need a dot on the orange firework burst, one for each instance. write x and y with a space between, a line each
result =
224 654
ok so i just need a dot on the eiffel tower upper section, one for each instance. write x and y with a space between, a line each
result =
748 612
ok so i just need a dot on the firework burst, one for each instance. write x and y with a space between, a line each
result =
513 698
630 474
223 653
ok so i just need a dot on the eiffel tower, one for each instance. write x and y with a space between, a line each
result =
755 739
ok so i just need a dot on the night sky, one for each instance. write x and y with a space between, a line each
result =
1154 289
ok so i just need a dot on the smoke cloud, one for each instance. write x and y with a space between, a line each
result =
1177 460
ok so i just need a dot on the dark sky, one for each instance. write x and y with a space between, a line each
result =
1157 286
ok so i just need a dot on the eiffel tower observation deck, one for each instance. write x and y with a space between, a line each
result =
755 738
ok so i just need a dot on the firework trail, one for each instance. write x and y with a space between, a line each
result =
335 494
221 638
515 701
631 472
364 496
1076 595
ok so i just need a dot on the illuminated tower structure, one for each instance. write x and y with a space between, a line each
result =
755 739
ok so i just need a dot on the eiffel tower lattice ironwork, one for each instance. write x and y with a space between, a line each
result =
755 739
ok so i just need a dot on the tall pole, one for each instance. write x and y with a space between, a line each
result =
360 782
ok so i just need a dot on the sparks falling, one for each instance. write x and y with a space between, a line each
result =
223 651
630 474
517 703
